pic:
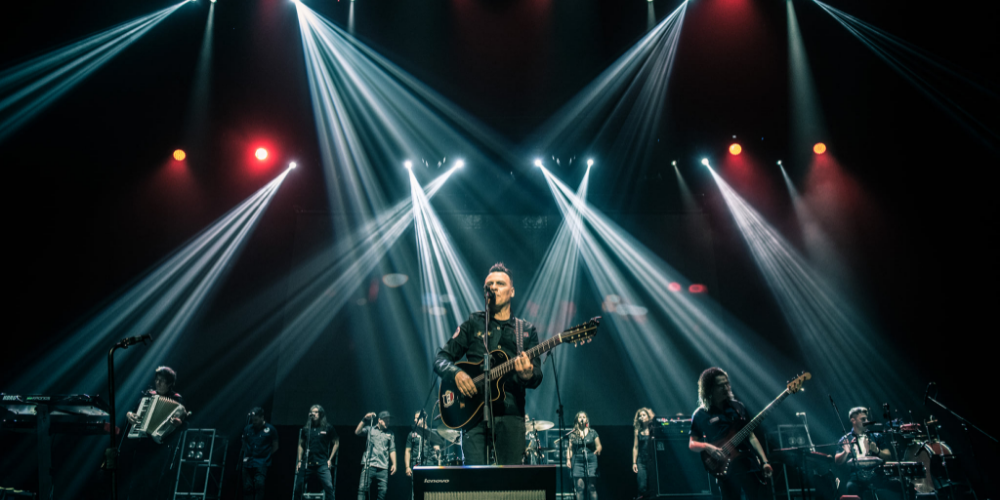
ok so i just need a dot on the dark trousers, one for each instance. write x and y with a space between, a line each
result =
509 435
311 472
152 477
381 476
746 482
253 482
642 478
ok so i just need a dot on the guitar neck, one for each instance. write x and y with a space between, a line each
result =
507 366
748 429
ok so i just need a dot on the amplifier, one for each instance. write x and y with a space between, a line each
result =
679 472
507 482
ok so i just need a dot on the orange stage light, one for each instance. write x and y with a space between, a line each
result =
735 149
819 148
179 155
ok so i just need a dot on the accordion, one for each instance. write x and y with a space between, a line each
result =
154 417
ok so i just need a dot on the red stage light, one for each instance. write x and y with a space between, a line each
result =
696 288
261 154
674 287
735 149
819 148
179 155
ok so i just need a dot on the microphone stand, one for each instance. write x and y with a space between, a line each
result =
368 458
559 413
305 461
111 453
968 435
487 389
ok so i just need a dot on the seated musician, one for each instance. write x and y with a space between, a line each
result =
151 460
861 444
719 416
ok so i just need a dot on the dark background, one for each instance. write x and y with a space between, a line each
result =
95 201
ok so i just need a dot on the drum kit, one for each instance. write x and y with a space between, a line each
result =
926 464
923 445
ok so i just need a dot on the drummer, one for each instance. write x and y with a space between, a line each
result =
864 444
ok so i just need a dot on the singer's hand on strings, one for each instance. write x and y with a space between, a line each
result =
524 368
465 385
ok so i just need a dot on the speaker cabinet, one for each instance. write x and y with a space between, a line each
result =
509 482
679 472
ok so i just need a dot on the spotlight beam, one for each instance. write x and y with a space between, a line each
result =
30 87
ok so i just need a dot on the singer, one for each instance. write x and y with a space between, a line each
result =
511 335
581 457
318 444
379 460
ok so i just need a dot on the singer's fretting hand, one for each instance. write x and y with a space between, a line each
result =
524 368
465 385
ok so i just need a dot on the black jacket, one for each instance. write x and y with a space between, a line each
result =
468 342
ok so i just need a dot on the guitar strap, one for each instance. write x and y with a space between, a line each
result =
520 336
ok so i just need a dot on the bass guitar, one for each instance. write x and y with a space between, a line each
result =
460 412
720 467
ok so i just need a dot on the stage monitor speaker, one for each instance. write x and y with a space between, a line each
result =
679 472
508 482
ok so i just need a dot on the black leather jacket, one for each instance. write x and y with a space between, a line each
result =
468 342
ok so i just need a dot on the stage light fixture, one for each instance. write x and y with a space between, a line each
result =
779 163
459 163
292 165
408 164
735 149
697 288
261 154
179 155
674 163
590 163
704 161
538 163
819 148
674 287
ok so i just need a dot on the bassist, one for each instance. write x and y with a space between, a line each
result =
717 417
503 335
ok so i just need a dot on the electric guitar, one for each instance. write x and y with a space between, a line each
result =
720 467
460 412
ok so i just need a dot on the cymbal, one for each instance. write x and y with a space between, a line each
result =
537 425
451 435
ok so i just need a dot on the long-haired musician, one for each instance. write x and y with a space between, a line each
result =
581 457
719 414
642 450
318 444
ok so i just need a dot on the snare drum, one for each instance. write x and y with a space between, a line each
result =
933 455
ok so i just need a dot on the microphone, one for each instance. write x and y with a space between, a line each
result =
488 293
927 393
139 339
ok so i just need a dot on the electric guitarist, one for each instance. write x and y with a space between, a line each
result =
718 415
503 335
